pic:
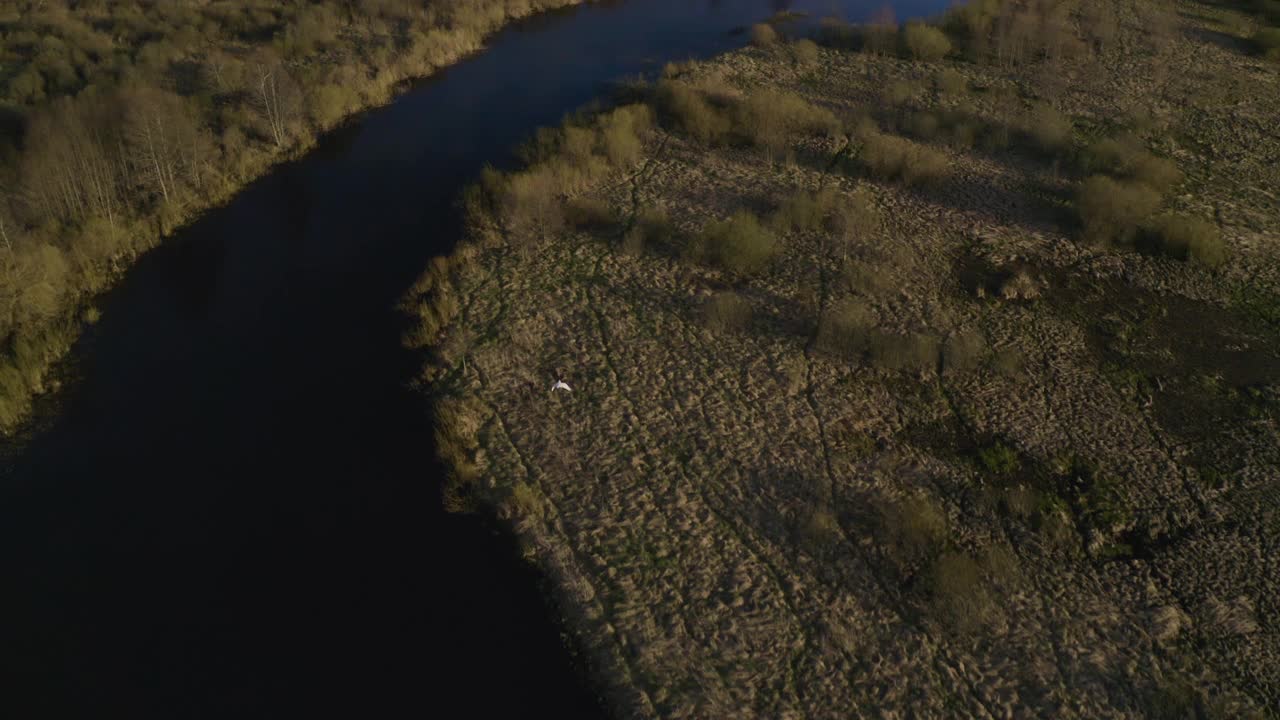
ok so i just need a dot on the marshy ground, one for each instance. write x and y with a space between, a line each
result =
921 427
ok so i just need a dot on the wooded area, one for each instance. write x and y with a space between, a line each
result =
121 119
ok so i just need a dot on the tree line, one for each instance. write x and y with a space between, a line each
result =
120 119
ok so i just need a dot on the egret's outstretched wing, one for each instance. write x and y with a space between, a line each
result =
561 385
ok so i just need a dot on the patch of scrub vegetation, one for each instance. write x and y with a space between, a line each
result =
960 360
740 244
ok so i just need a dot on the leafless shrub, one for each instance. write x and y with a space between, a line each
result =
957 593
950 82
740 244
763 35
845 330
1267 42
1049 130
926 42
621 133
727 312
523 501
769 118
805 51
652 229
1112 210
804 211
1125 157
690 112
1190 238
889 157
853 221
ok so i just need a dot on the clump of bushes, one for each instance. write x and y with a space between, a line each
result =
763 35
957 593
804 211
925 42
727 312
880 34
740 244
620 133
652 228
1114 210
821 530
433 302
999 460
1049 130
805 51
1119 208
523 501
889 157
529 204
1126 158
1190 238
458 420
950 82
691 113
845 330
924 125
769 118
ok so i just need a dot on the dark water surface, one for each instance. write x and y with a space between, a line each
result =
233 512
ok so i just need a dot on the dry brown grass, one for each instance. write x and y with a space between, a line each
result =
884 460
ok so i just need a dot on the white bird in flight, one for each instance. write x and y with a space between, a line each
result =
561 385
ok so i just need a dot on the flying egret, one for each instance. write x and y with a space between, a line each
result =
561 385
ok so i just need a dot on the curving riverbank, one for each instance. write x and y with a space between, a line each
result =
231 509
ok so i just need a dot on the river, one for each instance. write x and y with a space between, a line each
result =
231 510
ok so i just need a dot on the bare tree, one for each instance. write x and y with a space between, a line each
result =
71 168
277 97
166 141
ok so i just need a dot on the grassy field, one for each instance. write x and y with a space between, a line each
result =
906 383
